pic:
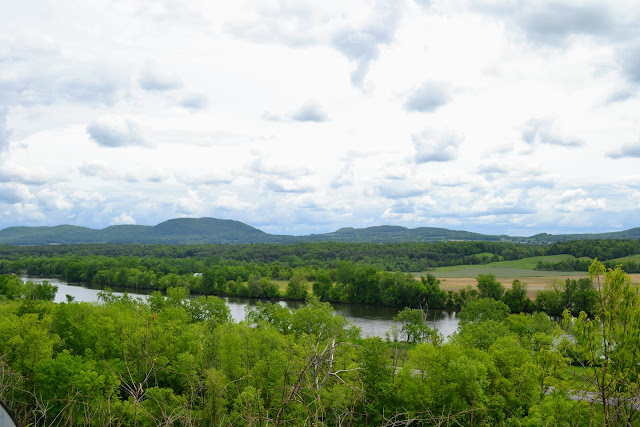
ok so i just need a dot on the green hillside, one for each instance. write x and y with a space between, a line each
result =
213 230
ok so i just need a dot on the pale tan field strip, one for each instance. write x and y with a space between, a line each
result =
534 283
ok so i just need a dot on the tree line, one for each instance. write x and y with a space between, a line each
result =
404 257
175 360
346 282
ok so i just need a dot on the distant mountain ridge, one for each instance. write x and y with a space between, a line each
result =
213 230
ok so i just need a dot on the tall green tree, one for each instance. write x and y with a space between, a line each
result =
489 287
608 344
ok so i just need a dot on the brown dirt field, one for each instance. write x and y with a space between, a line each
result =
533 283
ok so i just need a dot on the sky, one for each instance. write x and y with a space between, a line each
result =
297 117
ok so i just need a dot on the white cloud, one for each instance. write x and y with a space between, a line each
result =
154 79
11 172
434 146
123 218
190 204
309 115
572 194
5 132
580 205
14 193
115 132
626 151
428 98
52 200
310 112
540 132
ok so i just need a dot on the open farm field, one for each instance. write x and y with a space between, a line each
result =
282 286
532 262
459 276
630 258
534 283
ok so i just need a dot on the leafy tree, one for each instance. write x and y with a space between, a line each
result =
608 345
489 287
516 297
484 309
377 377
297 286
271 314
579 295
414 324
10 287
550 299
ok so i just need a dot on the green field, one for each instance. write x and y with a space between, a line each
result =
630 258
531 263
518 268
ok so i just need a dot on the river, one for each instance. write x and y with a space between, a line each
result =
373 320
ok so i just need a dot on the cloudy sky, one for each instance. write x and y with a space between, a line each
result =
296 117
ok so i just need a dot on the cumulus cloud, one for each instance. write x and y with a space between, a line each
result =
154 79
11 193
572 194
626 151
94 170
540 131
621 95
353 32
32 175
581 205
492 169
123 218
343 178
576 200
273 117
25 211
434 146
310 112
428 98
5 132
43 75
194 102
553 21
190 204
260 167
410 210
362 45
52 200
99 170
229 201
287 186
209 178
115 132
630 60
400 189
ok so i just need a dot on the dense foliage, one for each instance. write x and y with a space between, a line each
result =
348 273
172 360
404 257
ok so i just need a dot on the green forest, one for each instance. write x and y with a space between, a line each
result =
404 257
333 272
175 360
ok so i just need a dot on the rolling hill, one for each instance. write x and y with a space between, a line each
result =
213 230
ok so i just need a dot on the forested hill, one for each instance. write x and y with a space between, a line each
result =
174 231
213 230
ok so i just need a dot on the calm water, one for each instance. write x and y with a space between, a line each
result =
373 320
